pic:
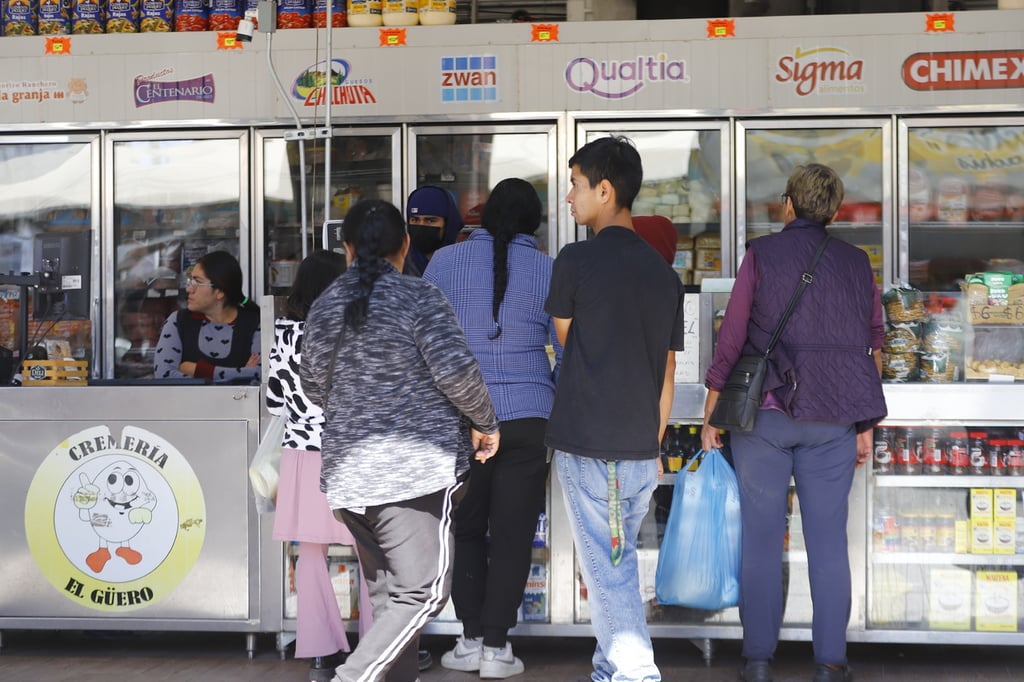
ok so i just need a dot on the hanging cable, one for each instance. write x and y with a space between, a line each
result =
304 229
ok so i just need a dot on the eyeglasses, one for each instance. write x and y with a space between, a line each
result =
193 282
783 197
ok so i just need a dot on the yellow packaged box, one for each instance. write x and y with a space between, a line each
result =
981 535
995 601
1004 502
874 252
949 599
1004 535
981 503
708 259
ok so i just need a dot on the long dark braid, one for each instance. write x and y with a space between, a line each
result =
513 208
376 230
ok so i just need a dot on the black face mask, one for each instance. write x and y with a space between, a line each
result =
425 238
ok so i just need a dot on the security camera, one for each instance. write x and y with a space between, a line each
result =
246 27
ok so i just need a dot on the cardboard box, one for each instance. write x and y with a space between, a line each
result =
1002 305
683 259
874 252
1004 503
981 535
995 601
981 503
1004 535
949 599
708 259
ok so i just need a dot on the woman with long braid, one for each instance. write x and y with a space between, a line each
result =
405 408
497 281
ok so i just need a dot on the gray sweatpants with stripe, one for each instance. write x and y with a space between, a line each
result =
405 553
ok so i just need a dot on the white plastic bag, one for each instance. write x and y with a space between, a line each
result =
266 464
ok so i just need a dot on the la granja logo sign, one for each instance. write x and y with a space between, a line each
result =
614 79
821 71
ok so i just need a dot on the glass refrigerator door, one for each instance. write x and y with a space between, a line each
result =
470 160
683 181
173 200
962 190
362 166
859 151
48 224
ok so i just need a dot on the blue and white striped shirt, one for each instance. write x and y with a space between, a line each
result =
515 365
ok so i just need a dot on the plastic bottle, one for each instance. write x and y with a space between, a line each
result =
365 13
1015 457
959 457
400 12
675 455
979 453
437 12
908 454
884 530
997 457
933 457
883 451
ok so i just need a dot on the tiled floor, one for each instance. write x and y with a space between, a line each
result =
27 656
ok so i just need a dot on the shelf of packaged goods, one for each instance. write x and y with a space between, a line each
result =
841 226
946 559
970 225
947 481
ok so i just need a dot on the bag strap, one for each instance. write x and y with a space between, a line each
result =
331 362
805 279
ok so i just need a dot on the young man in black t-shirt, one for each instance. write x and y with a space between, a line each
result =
617 309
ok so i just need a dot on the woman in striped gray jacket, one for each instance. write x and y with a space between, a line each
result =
406 407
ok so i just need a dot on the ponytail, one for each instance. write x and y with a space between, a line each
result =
376 230
513 208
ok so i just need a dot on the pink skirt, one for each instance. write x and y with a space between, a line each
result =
302 511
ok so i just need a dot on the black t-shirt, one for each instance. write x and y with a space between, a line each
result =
626 306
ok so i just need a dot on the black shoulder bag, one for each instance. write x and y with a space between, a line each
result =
740 400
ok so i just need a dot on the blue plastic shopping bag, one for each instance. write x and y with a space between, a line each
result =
699 561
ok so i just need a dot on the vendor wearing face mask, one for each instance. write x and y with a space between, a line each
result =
434 221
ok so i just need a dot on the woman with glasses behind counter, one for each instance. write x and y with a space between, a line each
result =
218 336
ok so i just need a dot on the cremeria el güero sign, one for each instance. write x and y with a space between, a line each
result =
982 69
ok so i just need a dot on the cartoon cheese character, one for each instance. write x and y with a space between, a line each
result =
117 504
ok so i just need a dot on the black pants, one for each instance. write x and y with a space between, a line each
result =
505 496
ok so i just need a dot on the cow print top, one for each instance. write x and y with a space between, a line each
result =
284 391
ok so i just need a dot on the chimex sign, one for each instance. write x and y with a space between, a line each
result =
983 69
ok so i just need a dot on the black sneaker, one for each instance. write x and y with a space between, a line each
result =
825 673
757 671
424 660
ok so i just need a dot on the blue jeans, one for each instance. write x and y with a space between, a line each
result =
624 652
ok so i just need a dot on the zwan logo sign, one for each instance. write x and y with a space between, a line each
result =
473 78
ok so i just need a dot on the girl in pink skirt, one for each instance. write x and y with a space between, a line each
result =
302 511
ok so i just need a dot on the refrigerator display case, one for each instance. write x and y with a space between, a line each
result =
49 224
860 151
293 190
174 198
469 160
686 181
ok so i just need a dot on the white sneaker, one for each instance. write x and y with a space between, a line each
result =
465 656
497 664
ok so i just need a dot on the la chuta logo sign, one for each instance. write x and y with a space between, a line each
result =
822 71
115 521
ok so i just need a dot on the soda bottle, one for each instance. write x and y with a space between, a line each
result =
1015 457
908 460
959 458
979 453
996 457
933 458
883 450
675 449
